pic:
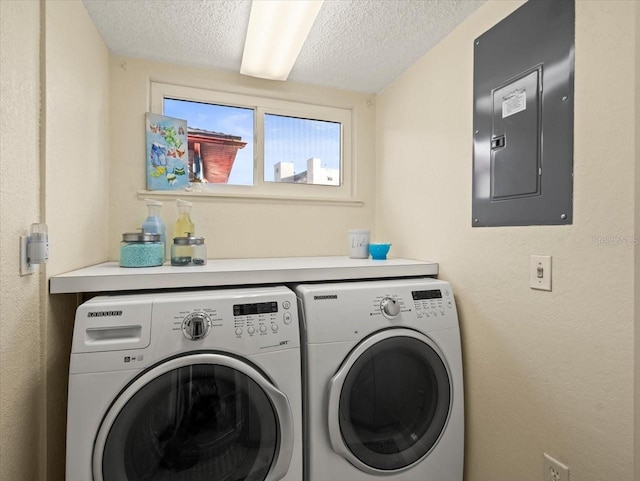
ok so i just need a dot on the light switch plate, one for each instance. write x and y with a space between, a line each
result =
540 273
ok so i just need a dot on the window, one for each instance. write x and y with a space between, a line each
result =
301 150
245 145
220 141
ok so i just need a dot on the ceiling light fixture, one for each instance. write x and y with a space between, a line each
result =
277 30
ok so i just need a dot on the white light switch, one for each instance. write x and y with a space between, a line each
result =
540 273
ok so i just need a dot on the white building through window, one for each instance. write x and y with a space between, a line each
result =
315 173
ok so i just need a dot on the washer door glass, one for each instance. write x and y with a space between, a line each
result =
197 422
394 402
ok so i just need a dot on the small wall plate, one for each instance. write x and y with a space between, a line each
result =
25 268
540 273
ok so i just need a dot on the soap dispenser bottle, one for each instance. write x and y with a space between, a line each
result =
184 226
153 224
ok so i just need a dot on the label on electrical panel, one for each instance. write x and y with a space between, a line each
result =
514 102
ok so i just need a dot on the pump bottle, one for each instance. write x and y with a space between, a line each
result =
153 224
184 226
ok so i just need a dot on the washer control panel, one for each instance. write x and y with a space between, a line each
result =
262 319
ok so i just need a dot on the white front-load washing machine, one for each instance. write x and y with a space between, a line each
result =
383 390
200 385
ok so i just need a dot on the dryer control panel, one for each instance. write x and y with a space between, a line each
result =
432 302
347 311
423 302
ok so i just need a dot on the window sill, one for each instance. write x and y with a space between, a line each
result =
201 195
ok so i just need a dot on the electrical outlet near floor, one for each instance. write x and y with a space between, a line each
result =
554 470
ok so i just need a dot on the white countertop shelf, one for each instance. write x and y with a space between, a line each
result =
110 277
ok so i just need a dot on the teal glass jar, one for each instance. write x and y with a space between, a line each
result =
141 249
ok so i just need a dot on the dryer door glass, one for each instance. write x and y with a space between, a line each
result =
198 422
394 403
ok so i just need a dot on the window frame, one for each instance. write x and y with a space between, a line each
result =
261 106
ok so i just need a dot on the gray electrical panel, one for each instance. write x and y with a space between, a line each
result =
523 117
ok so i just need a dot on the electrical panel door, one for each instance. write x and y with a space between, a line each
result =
523 118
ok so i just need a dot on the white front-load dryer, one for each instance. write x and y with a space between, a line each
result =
383 387
200 385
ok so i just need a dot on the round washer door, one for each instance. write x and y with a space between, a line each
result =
197 417
389 402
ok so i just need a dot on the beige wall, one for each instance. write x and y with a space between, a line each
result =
76 180
527 392
637 252
20 337
233 228
77 141
544 371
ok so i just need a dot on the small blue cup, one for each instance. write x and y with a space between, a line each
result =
379 251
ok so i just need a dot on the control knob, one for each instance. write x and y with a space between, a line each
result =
390 307
196 326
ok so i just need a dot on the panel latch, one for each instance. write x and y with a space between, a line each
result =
498 142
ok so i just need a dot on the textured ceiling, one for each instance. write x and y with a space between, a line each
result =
359 45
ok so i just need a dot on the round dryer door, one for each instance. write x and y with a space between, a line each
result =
390 401
197 417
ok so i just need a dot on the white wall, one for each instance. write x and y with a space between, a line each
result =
233 227
545 371
20 328
76 179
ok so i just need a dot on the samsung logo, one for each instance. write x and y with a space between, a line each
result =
104 313
322 298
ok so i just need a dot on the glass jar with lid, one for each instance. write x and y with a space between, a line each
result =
141 249
188 251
